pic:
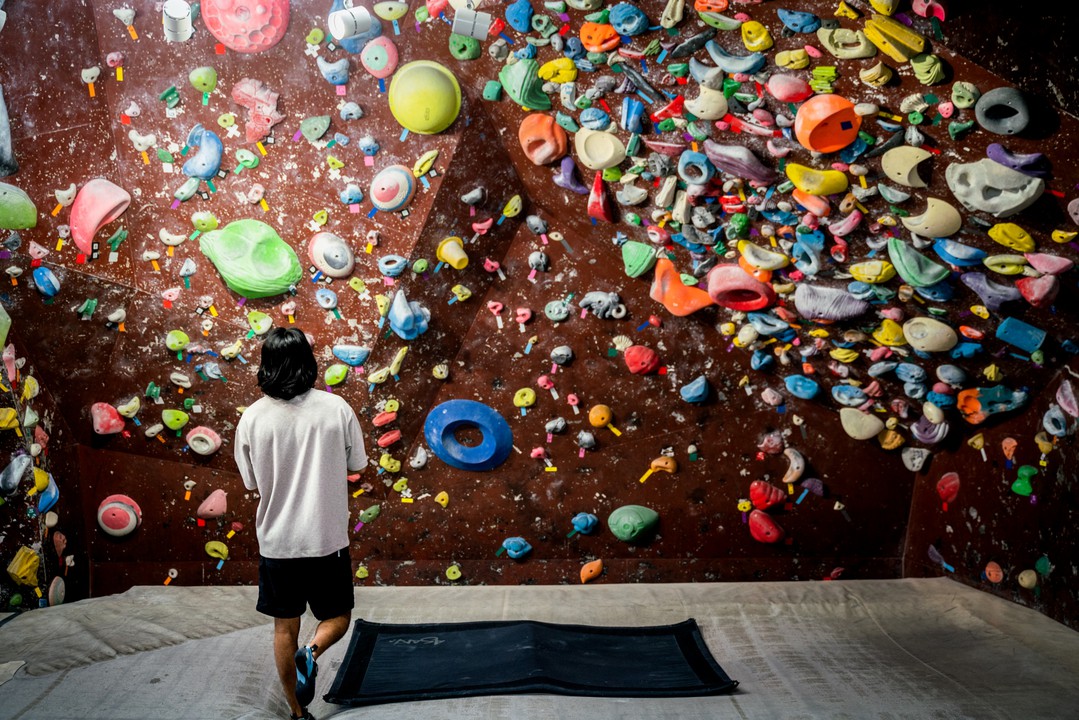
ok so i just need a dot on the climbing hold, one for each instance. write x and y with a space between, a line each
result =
252 258
827 123
591 570
424 97
1003 111
98 203
763 528
447 418
633 523
119 515
106 420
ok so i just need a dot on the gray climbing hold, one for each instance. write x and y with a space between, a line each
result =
1003 111
8 165
990 187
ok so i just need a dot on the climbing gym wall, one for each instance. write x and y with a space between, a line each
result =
621 293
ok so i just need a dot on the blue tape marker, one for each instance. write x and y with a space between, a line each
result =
396 28
425 181
372 213
381 85
439 266
506 37
404 134
802 497
662 57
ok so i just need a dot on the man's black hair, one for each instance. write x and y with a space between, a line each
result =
288 365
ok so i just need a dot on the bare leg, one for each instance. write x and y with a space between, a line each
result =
285 634
328 632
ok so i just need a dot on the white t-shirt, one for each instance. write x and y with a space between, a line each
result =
297 453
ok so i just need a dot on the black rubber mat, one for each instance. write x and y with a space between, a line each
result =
399 663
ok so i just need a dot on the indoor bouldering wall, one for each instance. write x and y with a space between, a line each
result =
755 290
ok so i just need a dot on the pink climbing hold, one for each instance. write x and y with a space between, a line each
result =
789 88
732 287
106 419
214 506
1049 264
98 203
246 26
261 103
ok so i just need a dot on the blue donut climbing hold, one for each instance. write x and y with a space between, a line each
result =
445 420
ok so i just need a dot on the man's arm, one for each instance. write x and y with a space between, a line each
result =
241 453
355 451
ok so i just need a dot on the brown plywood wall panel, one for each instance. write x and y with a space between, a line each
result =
874 518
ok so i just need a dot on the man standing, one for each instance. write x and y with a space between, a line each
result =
296 446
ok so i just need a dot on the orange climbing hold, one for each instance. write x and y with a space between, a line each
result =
827 123
712 6
599 37
591 570
669 290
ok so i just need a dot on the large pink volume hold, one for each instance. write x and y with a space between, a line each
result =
247 26
98 203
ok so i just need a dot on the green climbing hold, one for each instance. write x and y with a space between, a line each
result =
566 122
1022 485
958 129
637 258
612 174
522 83
633 523
335 374
600 16
463 47
370 514
17 210
314 128
678 69
583 102
492 90
203 79
252 258
315 37
174 419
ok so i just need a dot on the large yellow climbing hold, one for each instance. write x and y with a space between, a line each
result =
890 333
893 38
844 355
559 71
1012 236
873 271
756 37
817 182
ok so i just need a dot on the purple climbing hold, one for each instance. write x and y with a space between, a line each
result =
1032 164
567 179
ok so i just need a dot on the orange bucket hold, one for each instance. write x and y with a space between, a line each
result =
826 123
599 37
712 6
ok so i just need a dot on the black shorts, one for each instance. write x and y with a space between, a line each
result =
288 586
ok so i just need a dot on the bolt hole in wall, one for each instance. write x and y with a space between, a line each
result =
792 349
